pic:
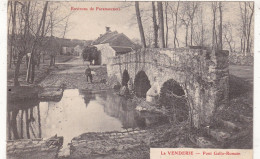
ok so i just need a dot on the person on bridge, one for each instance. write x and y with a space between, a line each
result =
88 74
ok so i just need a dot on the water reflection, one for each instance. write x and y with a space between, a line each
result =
78 112
24 120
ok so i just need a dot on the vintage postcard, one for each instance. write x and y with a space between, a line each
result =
130 80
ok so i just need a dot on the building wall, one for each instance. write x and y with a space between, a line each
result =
106 53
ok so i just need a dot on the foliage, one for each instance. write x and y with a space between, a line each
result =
91 53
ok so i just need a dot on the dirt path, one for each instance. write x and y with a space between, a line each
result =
74 77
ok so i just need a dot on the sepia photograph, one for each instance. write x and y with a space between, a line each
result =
124 80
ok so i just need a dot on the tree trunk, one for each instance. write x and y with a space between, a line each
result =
214 42
33 70
248 48
28 74
161 24
186 37
41 25
191 32
139 21
220 27
17 71
65 28
166 23
175 25
155 27
202 29
13 33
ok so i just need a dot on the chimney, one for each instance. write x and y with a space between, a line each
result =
108 29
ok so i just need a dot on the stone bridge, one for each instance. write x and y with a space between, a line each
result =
202 74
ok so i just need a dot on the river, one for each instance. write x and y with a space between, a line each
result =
78 112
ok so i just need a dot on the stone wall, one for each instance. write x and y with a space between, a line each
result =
202 74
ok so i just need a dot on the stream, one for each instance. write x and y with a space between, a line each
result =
78 112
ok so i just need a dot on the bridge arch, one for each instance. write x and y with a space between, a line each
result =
141 84
174 97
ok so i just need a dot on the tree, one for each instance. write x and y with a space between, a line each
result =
228 37
161 25
140 25
166 23
220 26
246 14
13 17
200 29
185 20
187 15
248 48
35 43
90 53
214 33
155 26
174 15
191 12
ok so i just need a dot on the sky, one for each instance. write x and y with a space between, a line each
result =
88 25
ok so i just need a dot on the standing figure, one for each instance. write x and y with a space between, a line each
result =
88 73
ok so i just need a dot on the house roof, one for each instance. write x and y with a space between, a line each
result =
114 39
105 37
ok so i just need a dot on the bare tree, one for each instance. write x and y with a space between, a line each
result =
228 36
185 21
191 10
161 24
246 14
149 37
27 38
174 15
248 48
36 42
66 27
214 33
140 25
155 26
220 26
199 35
13 17
166 23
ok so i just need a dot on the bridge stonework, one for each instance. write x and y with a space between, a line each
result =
203 75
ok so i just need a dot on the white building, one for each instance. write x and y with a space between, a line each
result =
106 51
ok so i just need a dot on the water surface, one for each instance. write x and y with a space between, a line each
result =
78 112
